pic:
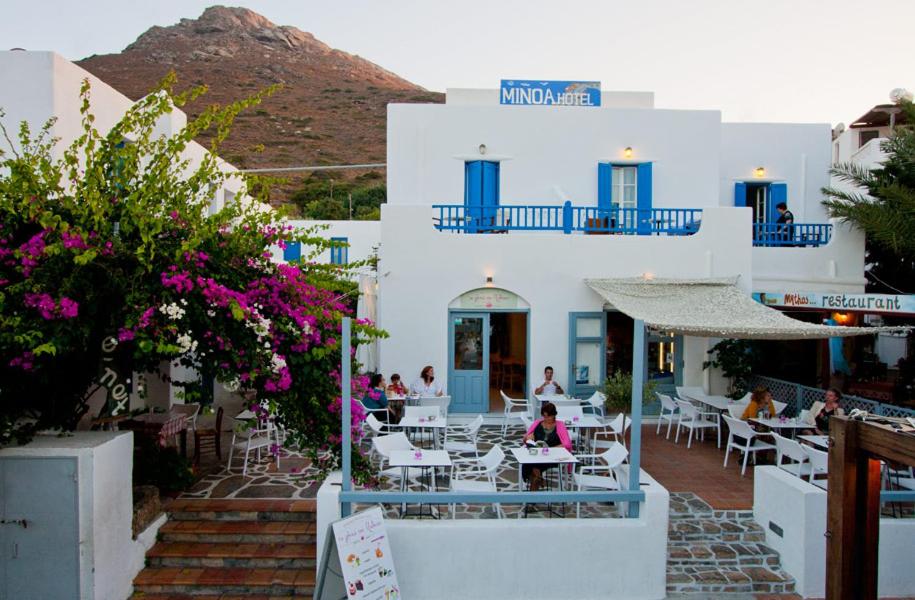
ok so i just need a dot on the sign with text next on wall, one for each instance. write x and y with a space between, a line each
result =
529 92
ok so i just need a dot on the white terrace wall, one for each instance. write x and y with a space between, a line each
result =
428 269
794 154
549 154
837 267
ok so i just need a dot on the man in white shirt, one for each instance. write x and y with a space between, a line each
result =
548 387
425 385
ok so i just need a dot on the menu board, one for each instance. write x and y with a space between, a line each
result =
357 562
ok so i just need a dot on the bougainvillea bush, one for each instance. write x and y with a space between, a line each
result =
112 255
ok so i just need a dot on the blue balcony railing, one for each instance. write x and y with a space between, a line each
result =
791 235
568 219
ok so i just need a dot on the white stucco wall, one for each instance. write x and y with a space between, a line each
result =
428 269
799 509
363 236
549 153
528 559
105 499
795 154
835 267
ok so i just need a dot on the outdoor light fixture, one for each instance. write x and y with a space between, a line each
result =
760 172
482 148
647 275
489 281
628 152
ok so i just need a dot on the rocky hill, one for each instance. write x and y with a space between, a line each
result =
330 110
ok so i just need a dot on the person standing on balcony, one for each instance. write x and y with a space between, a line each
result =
548 387
785 222
426 386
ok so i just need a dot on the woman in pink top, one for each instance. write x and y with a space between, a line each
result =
550 431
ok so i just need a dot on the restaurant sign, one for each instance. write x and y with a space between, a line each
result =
528 92
872 303
484 298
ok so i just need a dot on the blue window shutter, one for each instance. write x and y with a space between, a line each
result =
490 192
293 251
473 183
643 198
740 194
604 183
339 255
644 187
778 192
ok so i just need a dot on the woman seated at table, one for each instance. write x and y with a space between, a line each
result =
819 414
396 387
376 399
426 386
550 431
760 400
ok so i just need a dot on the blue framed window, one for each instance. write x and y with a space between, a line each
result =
339 255
627 187
292 251
481 193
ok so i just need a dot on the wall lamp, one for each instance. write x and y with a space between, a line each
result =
759 172
482 148
627 152
489 282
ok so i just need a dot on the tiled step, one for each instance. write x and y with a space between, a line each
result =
715 581
261 556
681 554
222 582
715 530
248 532
242 510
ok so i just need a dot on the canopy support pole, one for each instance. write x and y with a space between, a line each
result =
346 364
639 355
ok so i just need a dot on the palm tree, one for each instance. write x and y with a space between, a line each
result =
881 202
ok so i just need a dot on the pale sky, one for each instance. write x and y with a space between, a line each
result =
759 60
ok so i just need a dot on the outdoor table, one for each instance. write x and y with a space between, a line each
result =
161 426
791 425
428 459
110 422
587 424
422 423
555 456
820 441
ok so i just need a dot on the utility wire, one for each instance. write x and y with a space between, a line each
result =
897 290
314 168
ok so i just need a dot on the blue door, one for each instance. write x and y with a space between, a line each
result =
468 362
481 195
40 560
587 353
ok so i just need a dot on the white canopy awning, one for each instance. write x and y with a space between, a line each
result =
711 308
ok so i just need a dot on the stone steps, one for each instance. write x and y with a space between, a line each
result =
719 553
232 549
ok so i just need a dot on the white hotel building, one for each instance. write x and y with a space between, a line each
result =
497 214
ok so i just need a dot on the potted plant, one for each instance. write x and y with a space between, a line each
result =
737 360
618 389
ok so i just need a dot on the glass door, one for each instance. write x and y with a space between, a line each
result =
468 362
587 349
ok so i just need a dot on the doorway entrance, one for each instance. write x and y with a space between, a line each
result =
487 354
663 365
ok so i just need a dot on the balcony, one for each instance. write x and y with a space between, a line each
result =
568 219
795 235
593 220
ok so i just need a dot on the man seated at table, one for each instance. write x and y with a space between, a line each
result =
375 399
425 385
548 387
760 400
819 414
553 433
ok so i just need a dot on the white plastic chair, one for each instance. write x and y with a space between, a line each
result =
819 465
668 411
466 435
692 419
588 477
791 449
483 475
384 445
779 407
510 413
596 403
440 402
614 432
527 421
564 413
736 409
740 429
252 439
690 392
190 411
423 412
